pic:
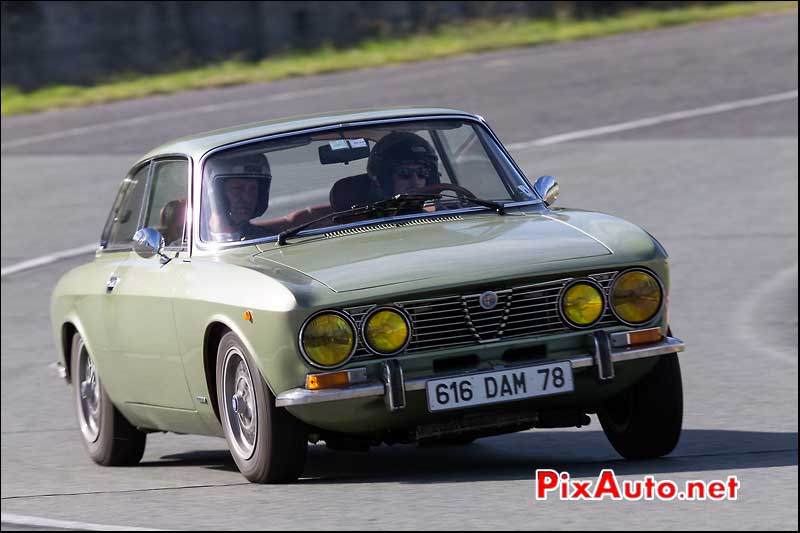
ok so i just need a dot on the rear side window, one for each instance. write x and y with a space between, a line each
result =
123 221
168 201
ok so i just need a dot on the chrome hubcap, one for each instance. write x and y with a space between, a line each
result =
241 414
88 397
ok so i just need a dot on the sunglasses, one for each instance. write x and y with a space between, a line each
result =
404 173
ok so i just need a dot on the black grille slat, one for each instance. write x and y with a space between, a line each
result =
449 323
440 332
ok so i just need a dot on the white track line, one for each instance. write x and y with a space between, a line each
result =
758 340
48 259
34 521
544 141
658 119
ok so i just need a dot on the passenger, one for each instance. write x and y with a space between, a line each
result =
239 192
173 219
403 162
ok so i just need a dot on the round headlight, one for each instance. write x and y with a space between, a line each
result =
636 297
582 304
328 339
386 331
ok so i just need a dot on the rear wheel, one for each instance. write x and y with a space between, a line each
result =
644 421
267 443
108 437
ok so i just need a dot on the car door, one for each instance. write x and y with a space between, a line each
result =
94 307
141 321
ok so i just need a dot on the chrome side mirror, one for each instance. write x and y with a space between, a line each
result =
547 188
148 242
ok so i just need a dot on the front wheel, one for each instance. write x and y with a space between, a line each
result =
107 435
267 443
644 421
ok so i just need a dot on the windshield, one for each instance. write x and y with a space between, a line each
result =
262 189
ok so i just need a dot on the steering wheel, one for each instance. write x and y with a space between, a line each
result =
436 188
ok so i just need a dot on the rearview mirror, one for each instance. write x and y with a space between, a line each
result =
343 151
547 188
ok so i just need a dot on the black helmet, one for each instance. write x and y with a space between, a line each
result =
255 166
401 148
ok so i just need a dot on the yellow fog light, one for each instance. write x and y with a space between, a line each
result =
582 304
386 331
328 339
636 297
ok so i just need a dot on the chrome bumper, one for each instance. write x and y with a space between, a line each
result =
301 396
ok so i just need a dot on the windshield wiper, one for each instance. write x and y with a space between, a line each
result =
394 203
497 206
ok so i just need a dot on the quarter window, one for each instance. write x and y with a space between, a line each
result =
123 221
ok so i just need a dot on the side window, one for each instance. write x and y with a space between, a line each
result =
123 221
168 202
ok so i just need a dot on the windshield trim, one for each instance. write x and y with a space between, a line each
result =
212 246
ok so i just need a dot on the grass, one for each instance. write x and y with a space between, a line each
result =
447 41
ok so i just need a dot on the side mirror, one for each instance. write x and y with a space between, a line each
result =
547 188
148 242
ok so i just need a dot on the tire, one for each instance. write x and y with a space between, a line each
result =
267 443
644 421
107 435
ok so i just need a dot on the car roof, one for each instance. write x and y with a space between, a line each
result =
197 145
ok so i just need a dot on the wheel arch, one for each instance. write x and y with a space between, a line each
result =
213 335
69 328
68 331
215 330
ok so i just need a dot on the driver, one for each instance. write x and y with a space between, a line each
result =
239 193
403 162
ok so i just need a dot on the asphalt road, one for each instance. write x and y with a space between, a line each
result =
719 191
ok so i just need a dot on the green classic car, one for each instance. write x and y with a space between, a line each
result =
382 276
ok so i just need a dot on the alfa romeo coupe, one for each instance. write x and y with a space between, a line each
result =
358 279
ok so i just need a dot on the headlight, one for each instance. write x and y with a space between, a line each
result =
636 297
328 339
582 304
386 331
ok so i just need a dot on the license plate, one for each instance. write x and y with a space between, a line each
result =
499 386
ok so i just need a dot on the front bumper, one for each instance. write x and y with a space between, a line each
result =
393 387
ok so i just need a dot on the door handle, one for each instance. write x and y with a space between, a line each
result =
111 283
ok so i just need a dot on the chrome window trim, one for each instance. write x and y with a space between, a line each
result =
211 246
341 314
150 162
376 309
585 281
614 285
104 239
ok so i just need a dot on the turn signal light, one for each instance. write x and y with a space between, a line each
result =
330 380
645 336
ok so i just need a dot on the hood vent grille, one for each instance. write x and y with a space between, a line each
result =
381 227
420 221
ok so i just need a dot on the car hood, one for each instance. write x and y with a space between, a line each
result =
469 249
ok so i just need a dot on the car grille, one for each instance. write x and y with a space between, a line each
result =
459 320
